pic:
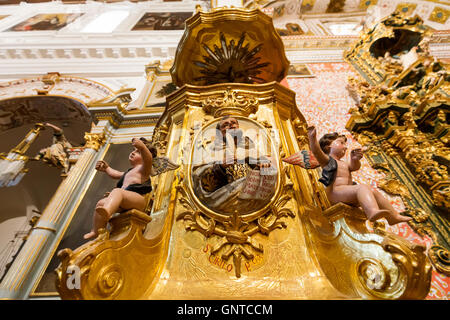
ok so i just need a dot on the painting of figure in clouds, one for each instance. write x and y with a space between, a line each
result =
300 71
162 21
46 22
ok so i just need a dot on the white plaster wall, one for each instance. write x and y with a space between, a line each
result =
8 246
121 53
119 58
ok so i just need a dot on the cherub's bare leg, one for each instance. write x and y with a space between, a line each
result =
394 217
359 195
121 199
116 200
99 221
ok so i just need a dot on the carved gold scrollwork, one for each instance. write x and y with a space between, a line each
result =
440 257
414 268
238 239
389 148
382 166
272 221
196 221
159 138
110 280
372 274
419 215
236 234
301 133
118 264
372 53
401 114
394 187
232 103
441 194
383 265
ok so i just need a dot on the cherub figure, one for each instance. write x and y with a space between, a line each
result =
56 155
133 185
336 176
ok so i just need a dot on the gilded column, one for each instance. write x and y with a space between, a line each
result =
21 276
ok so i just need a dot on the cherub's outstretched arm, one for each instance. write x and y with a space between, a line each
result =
146 156
315 147
55 128
104 167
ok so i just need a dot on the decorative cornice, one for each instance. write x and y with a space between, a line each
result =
129 47
119 118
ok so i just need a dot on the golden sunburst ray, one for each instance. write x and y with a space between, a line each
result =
231 62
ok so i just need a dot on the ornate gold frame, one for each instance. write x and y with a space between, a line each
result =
221 217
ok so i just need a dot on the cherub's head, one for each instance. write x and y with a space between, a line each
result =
334 144
135 155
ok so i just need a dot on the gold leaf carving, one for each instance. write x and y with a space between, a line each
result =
394 187
232 103
236 234
382 265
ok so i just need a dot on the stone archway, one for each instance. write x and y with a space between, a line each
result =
17 117
84 90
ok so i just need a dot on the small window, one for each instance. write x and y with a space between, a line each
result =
106 22
227 3
344 29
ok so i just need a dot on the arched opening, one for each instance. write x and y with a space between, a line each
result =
402 42
17 117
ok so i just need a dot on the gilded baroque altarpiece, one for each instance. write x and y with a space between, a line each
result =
285 242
